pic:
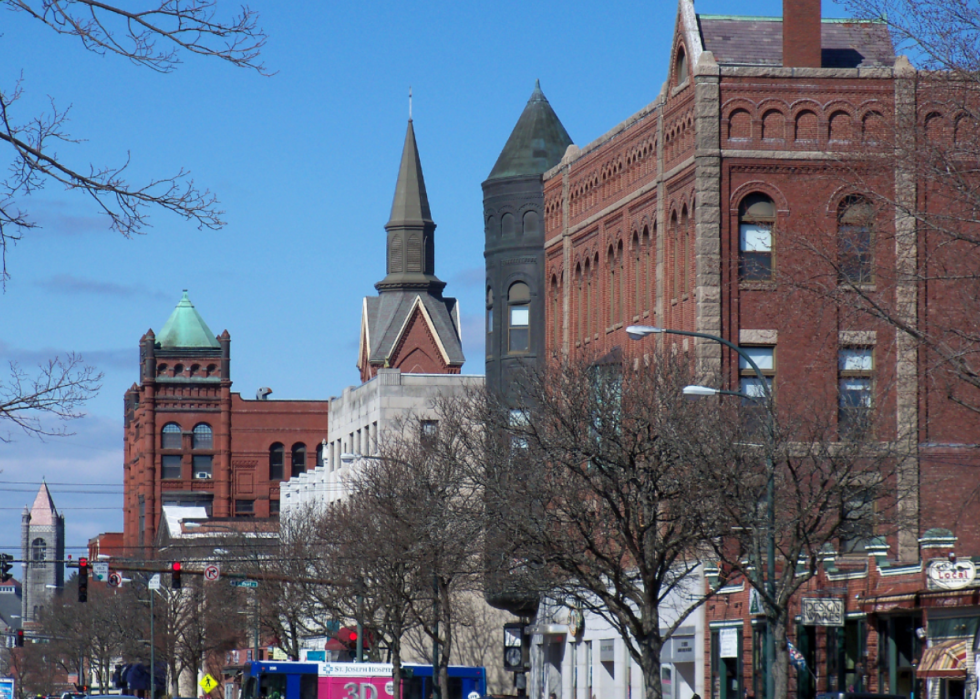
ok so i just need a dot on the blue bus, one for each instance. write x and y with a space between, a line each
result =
316 680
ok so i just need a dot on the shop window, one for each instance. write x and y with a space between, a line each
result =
170 436
726 663
203 437
756 221
518 301
298 459
855 367
170 467
203 465
855 241
276 458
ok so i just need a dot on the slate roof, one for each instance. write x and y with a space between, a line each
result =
537 142
387 313
186 329
758 41
10 605
411 203
43 511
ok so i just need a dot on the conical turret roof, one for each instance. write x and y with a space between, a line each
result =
186 329
43 511
411 204
537 142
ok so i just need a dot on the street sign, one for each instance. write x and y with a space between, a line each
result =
154 583
211 573
100 571
208 683
6 688
115 580
245 583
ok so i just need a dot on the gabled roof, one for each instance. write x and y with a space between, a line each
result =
411 203
43 511
186 329
386 317
758 41
537 142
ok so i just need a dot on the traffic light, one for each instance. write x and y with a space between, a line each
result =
20 638
514 647
175 575
82 579
6 563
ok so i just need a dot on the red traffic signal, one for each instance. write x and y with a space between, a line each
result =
82 563
20 638
82 579
175 575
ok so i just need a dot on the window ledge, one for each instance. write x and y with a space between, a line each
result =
759 285
854 288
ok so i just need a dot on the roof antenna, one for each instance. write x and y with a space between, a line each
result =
409 102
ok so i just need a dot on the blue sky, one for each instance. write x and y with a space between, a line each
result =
304 164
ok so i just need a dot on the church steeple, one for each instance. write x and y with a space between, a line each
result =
411 241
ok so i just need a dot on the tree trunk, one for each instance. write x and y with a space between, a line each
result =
650 666
780 669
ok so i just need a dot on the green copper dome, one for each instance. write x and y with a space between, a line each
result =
537 142
186 329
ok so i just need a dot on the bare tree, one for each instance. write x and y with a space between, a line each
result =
591 480
804 492
56 391
155 34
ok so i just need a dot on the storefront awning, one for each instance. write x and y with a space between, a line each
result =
946 659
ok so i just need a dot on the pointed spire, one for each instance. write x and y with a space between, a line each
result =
186 328
43 511
411 205
537 142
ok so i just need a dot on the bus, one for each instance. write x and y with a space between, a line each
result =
317 680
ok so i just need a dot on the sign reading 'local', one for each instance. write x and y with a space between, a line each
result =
943 574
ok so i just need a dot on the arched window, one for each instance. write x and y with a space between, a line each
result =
680 66
178 370
519 311
489 317
299 459
613 287
756 220
855 241
556 319
675 238
579 305
276 453
170 436
203 437
39 553
685 252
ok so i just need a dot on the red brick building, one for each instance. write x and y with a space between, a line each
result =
703 212
189 440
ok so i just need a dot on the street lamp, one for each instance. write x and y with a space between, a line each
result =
349 458
638 332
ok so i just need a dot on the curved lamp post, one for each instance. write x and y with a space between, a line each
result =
638 332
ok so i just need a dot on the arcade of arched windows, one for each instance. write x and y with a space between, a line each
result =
608 289
804 124
678 139
589 191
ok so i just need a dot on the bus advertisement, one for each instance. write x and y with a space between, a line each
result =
318 680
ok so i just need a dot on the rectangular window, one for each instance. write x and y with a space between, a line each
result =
170 467
202 466
755 248
855 368
520 317
428 432
750 385
273 507
244 507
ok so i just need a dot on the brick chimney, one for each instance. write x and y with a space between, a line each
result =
801 33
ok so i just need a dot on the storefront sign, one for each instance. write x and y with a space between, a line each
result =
678 649
943 574
823 611
728 643
607 650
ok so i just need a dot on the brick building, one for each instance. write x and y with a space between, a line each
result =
702 212
191 441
